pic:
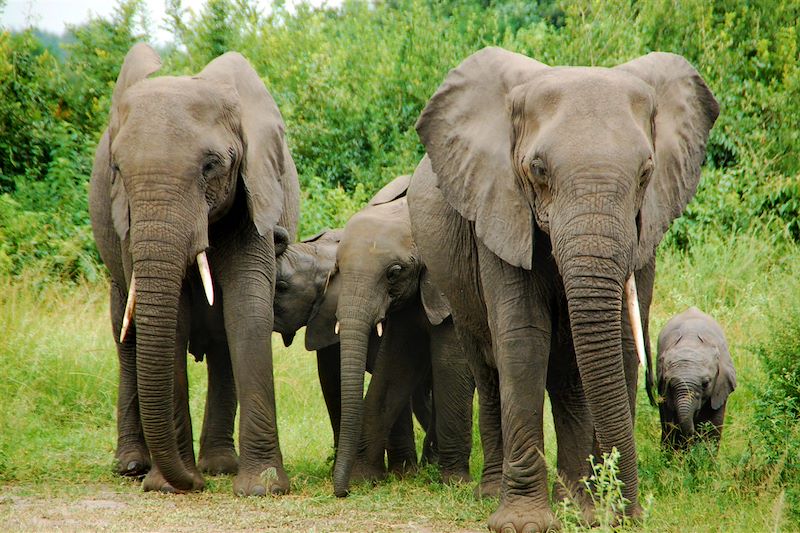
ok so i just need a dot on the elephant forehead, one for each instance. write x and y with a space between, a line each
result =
178 101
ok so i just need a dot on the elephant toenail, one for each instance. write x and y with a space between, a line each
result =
509 529
277 489
133 466
259 490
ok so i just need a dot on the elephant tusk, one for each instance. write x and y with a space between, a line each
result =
129 307
635 319
379 327
205 276
336 328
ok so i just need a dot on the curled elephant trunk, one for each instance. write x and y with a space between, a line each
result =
355 325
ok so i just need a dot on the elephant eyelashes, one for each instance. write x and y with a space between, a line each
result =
393 273
538 171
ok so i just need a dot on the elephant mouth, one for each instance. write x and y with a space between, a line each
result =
379 325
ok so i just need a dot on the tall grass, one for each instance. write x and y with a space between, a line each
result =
58 392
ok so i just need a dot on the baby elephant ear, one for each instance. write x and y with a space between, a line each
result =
391 191
435 303
320 330
466 128
266 159
686 111
726 379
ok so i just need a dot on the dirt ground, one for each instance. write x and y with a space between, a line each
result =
103 508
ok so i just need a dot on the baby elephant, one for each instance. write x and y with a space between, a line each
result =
695 377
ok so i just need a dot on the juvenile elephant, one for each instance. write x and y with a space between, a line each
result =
384 288
189 181
537 210
695 377
307 295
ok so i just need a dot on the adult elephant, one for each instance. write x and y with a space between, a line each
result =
544 194
306 295
385 289
191 178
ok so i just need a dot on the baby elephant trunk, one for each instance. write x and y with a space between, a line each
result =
684 402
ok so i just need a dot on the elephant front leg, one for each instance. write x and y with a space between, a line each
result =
247 280
132 457
330 380
520 325
217 453
401 450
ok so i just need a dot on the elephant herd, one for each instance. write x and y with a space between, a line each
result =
518 258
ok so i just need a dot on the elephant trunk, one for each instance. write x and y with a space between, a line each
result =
595 253
355 325
684 405
160 257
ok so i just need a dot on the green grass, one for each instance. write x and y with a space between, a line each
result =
57 429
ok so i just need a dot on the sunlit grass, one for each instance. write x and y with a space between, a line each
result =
58 375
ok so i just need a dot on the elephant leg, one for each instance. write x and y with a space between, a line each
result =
217 453
154 480
247 276
330 379
573 423
424 411
132 457
453 392
402 361
520 325
488 385
401 449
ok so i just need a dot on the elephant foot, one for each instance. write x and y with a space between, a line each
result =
131 462
271 480
404 467
217 462
154 481
364 472
456 476
523 516
489 487
575 494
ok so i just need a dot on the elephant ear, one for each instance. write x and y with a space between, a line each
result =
322 323
140 62
266 159
437 308
685 112
726 378
467 130
391 191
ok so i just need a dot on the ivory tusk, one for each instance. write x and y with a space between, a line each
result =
129 307
635 319
336 328
379 327
205 276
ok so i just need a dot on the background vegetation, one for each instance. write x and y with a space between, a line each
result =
350 82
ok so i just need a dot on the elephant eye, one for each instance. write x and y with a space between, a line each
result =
538 169
281 286
394 272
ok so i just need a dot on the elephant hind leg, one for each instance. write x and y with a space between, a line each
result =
401 450
217 452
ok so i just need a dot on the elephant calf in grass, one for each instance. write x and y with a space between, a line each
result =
190 180
695 377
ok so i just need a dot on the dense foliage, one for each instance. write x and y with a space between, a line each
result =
351 82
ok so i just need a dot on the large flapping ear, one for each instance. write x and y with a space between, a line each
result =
726 378
265 159
436 306
140 62
320 330
686 111
391 191
467 130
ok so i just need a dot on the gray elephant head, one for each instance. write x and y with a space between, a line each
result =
305 292
695 369
379 270
600 159
182 152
